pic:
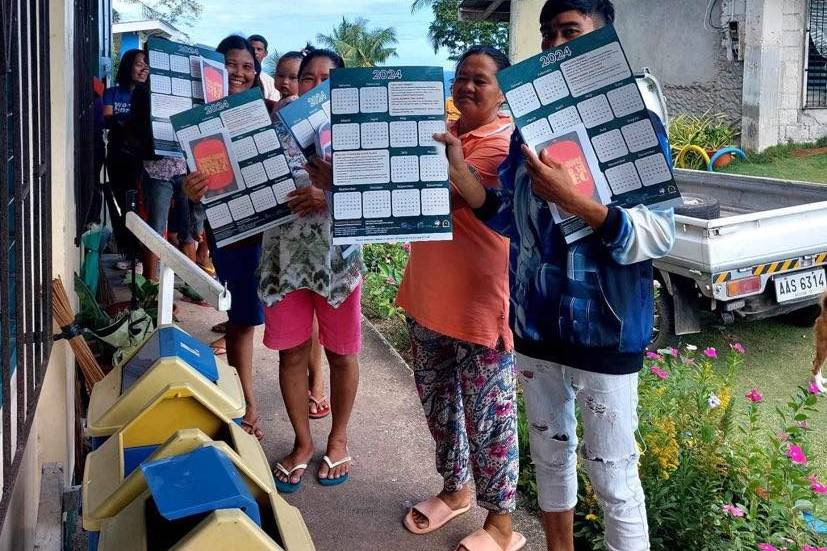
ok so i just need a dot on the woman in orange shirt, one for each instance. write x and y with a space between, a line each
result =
455 295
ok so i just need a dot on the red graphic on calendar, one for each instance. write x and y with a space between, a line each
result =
574 151
214 80
568 153
212 157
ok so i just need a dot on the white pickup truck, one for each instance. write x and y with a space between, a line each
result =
745 247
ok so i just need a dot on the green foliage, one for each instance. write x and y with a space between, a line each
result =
791 161
709 132
457 36
358 45
146 292
718 475
385 266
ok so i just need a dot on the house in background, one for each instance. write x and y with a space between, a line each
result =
134 22
762 63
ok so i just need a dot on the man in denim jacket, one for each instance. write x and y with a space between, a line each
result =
581 315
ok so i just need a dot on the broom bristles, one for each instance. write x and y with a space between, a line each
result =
64 315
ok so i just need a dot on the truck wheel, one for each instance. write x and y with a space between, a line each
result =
699 206
663 326
803 317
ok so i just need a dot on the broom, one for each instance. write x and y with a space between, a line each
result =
65 318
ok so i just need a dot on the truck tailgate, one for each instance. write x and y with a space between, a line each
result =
787 225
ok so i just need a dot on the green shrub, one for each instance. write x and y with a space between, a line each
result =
718 472
385 266
707 131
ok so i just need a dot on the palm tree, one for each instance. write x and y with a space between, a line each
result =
358 45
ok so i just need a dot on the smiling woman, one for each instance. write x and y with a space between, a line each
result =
458 324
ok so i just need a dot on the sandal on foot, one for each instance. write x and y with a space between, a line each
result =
482 541
436 511
217 348
320 411
330 466
252 428
288 487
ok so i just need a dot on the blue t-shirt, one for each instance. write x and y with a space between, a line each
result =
121 101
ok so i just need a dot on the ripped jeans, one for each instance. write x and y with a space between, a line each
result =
608 404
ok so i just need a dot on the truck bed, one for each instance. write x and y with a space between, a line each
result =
762 220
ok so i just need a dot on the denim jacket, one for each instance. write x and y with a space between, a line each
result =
587 304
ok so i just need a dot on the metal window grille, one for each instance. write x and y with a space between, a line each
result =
25 226
816 71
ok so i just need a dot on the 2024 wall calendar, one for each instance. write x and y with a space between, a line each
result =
175 85
390 178
252 172
588 84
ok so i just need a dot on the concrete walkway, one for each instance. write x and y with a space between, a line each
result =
389 441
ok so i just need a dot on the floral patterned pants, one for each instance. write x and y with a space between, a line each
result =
468 393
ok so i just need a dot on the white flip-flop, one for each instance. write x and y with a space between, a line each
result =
289 487
331 465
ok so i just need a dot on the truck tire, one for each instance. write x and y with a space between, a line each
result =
663 326
699 206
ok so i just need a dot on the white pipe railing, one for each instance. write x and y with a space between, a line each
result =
172 262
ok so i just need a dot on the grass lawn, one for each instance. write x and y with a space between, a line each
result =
790 162
778 360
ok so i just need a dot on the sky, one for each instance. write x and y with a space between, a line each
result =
289 24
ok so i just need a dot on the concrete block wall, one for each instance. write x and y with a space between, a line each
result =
795 123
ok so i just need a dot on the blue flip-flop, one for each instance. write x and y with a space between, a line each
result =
331 465
289 487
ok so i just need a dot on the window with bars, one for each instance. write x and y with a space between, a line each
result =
25 226
816 75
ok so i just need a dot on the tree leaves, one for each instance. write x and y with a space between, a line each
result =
358 45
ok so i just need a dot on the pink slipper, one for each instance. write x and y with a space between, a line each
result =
482 541
437 513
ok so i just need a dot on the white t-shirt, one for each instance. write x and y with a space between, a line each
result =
268 84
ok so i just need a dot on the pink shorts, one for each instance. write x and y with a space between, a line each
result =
289 322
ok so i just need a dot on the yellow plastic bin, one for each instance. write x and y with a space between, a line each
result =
170 356
278 526
176 421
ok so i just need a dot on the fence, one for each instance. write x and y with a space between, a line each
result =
816 75
25 225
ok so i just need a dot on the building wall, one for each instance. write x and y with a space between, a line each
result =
794 122
685 55
52 434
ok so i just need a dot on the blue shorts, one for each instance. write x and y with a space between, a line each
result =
158 196
236 266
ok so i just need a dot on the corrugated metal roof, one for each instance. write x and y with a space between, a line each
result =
488 10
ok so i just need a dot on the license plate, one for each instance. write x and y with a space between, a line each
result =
800 285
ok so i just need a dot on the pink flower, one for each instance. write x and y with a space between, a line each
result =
653 356
389 281
802 424
711 353
812 548
766 547
661 374
673 351
733 510
817 486
406 246
738 347
796 454
754 396
813 388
